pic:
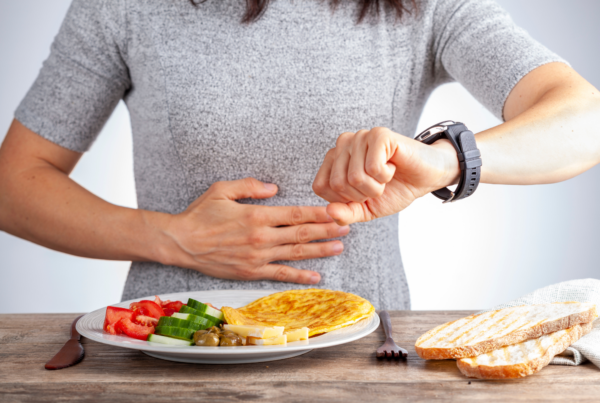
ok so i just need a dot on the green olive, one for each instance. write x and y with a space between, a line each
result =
199 334
206 339
231 340
228 332
214 329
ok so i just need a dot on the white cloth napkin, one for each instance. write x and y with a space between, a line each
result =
586 290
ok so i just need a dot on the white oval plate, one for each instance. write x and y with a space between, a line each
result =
90 326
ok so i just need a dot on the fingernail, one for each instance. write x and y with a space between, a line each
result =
329 218
314 279
344 230
338 248
270 187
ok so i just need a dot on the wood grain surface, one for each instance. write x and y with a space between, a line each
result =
338 374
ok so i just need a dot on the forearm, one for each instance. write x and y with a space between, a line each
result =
551 134
43 205
555 139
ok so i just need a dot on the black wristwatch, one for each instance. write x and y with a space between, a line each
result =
469 157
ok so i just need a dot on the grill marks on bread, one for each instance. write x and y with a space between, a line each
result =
482 333
522 359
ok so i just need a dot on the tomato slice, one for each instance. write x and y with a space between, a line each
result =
175 305
134 330
152 309
113 315
141 317
169 311
159 302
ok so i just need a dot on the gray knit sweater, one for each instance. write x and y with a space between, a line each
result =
211 99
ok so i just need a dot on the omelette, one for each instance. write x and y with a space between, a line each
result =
321 311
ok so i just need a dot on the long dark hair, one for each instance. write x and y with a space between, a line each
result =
256 8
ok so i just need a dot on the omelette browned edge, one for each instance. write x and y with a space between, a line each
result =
321 311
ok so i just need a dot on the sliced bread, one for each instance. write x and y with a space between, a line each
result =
488 331
522 359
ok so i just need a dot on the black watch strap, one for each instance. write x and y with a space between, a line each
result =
469 157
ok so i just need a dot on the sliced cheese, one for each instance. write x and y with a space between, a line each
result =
272 341
261 332
298 334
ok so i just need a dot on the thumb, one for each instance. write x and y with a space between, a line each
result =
242 189
349 213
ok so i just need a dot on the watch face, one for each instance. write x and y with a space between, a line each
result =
433 133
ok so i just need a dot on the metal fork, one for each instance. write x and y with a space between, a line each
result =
389 349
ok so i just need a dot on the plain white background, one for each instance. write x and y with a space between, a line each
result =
503 242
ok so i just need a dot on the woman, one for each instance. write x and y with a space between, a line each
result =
232 123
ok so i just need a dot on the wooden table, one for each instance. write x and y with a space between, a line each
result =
338 374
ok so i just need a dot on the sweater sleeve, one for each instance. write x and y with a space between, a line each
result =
477 44
83 79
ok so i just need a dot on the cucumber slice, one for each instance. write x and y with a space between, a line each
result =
203 322
203 308
187 309
155 338
175 322
175 332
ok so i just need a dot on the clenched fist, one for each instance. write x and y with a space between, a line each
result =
375 173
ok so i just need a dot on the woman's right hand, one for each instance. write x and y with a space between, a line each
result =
222 238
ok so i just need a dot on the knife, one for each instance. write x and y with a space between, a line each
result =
72 352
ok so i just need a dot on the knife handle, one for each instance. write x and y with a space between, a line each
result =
387 323
74 333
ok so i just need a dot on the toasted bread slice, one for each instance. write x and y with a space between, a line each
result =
522 359
488 331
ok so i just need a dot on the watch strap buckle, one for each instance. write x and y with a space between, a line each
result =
469 157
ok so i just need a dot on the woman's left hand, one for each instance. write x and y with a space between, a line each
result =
375 173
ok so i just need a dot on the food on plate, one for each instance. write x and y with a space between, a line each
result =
175 332
134 330
298 313
205 323
176 322
482 333
321 311
113 315
147 312
217 337
230 340
155 338
169 307
159 322
213 320
262 332
296 335
272 341
206 310
205 338
522 359
139 321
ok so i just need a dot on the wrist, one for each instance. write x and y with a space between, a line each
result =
449 162
161 247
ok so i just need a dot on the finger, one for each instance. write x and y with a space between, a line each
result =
380 150
307 233
276 216
312 250
338 180
349 213
357 175
321 183
279 272
242 189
